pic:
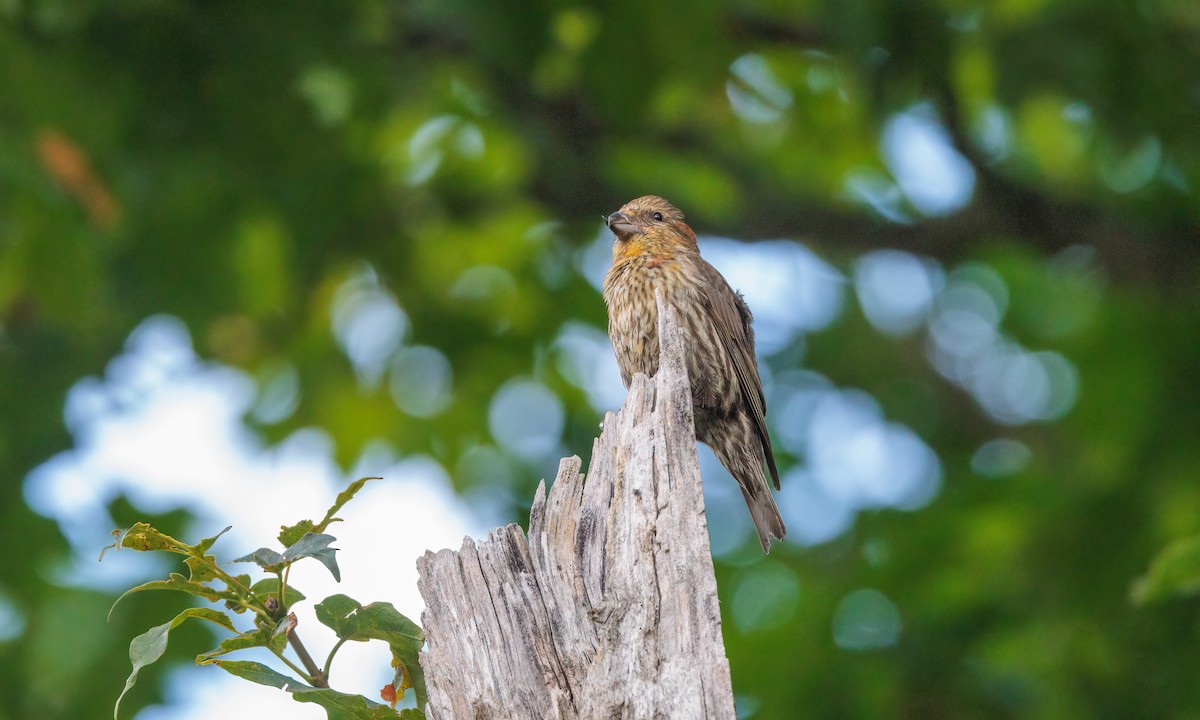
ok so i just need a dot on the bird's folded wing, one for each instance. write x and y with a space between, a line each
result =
732 318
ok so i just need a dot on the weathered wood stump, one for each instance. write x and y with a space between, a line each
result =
610 609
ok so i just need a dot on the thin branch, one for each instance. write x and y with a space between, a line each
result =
315 674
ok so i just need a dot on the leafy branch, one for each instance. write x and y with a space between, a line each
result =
270 601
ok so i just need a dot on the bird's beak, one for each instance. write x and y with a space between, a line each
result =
621 225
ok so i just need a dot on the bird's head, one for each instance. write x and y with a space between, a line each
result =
649 224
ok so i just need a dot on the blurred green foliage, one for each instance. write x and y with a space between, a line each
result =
236 164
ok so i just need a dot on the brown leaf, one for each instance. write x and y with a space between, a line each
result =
70 167
388 693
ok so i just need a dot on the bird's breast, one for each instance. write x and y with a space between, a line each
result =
629 291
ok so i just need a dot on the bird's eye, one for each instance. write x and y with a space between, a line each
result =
657 217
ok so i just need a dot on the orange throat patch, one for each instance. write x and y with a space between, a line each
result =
634 249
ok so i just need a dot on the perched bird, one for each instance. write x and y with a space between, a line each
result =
656 250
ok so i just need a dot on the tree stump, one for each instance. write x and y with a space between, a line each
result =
610 609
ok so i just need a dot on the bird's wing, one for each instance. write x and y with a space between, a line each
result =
731 316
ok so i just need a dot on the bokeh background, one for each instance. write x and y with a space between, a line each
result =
249 251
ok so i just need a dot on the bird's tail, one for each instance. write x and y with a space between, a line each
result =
740 451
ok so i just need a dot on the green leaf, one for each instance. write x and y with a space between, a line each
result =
343 497
213 616
270 586
276 631
178 582
244 641
315 545
203 546
201 567
265 558
1175 571
283 627
341 706
143 538
409 673
242 581
256 672
379 621
147 648
290 535
338 706
336 612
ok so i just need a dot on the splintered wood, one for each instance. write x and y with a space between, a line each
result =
610 609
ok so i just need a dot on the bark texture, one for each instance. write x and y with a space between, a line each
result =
610 609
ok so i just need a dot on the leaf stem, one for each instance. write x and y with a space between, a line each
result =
244 594
329 660
317 676
283 576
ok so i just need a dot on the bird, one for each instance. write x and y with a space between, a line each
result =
654 249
